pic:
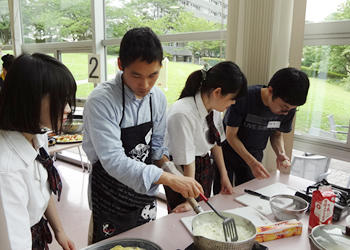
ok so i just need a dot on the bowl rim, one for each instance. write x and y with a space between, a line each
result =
74 120
293 197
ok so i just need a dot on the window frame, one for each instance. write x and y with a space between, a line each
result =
317 34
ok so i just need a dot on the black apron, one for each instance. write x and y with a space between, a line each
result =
117 208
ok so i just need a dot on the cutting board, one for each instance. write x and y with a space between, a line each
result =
261 205
247 212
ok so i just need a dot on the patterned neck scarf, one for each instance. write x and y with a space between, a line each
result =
54 178
213 135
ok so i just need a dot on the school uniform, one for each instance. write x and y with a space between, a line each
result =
24 189
187 139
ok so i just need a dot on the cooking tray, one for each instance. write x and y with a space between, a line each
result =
125 242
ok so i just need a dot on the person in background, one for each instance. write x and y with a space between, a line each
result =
265 113
7 61
37 93
124 126
194 128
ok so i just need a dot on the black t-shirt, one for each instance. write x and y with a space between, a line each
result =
256 121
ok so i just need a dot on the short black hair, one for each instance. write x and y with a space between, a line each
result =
7 61
29 79
291 85
140 43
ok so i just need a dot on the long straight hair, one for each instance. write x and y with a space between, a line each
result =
29 79
225 75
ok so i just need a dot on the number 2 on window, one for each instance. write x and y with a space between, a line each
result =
94 67
94 71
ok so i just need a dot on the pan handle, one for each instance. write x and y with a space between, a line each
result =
196 207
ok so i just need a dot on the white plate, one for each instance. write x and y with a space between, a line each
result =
247 212
65 142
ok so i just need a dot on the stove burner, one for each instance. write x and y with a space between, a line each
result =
342 196
342 201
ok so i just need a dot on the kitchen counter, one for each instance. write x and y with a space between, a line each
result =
170 233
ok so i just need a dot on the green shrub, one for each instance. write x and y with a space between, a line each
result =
323 75
345 83
169 56
211 60
113 50
330 77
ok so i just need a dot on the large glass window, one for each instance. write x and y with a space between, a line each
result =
46 21
164 17
324 118
325 10
77 63
5 28
328 102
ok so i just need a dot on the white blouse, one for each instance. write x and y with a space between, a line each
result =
186 131
24 189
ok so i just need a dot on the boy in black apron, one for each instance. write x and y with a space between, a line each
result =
124 126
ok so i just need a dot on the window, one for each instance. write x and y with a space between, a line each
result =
325 10
326 61
328 100
5 28
48 21
169 18
77 63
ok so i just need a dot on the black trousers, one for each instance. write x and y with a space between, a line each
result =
236 167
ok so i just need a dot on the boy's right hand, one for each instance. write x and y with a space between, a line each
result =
187 186
259 171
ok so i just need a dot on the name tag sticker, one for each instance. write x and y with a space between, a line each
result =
274 124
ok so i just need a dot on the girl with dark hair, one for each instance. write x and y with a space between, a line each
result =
37 93
194 127
7 61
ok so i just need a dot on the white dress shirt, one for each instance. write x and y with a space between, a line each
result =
24 189
187 127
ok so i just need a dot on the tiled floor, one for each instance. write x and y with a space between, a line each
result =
73 208
340 171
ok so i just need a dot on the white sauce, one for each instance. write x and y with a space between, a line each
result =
215 231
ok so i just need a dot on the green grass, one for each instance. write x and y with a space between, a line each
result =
177 76
77 63
323 99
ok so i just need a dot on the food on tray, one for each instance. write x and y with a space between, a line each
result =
69 138
119 247
215 231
